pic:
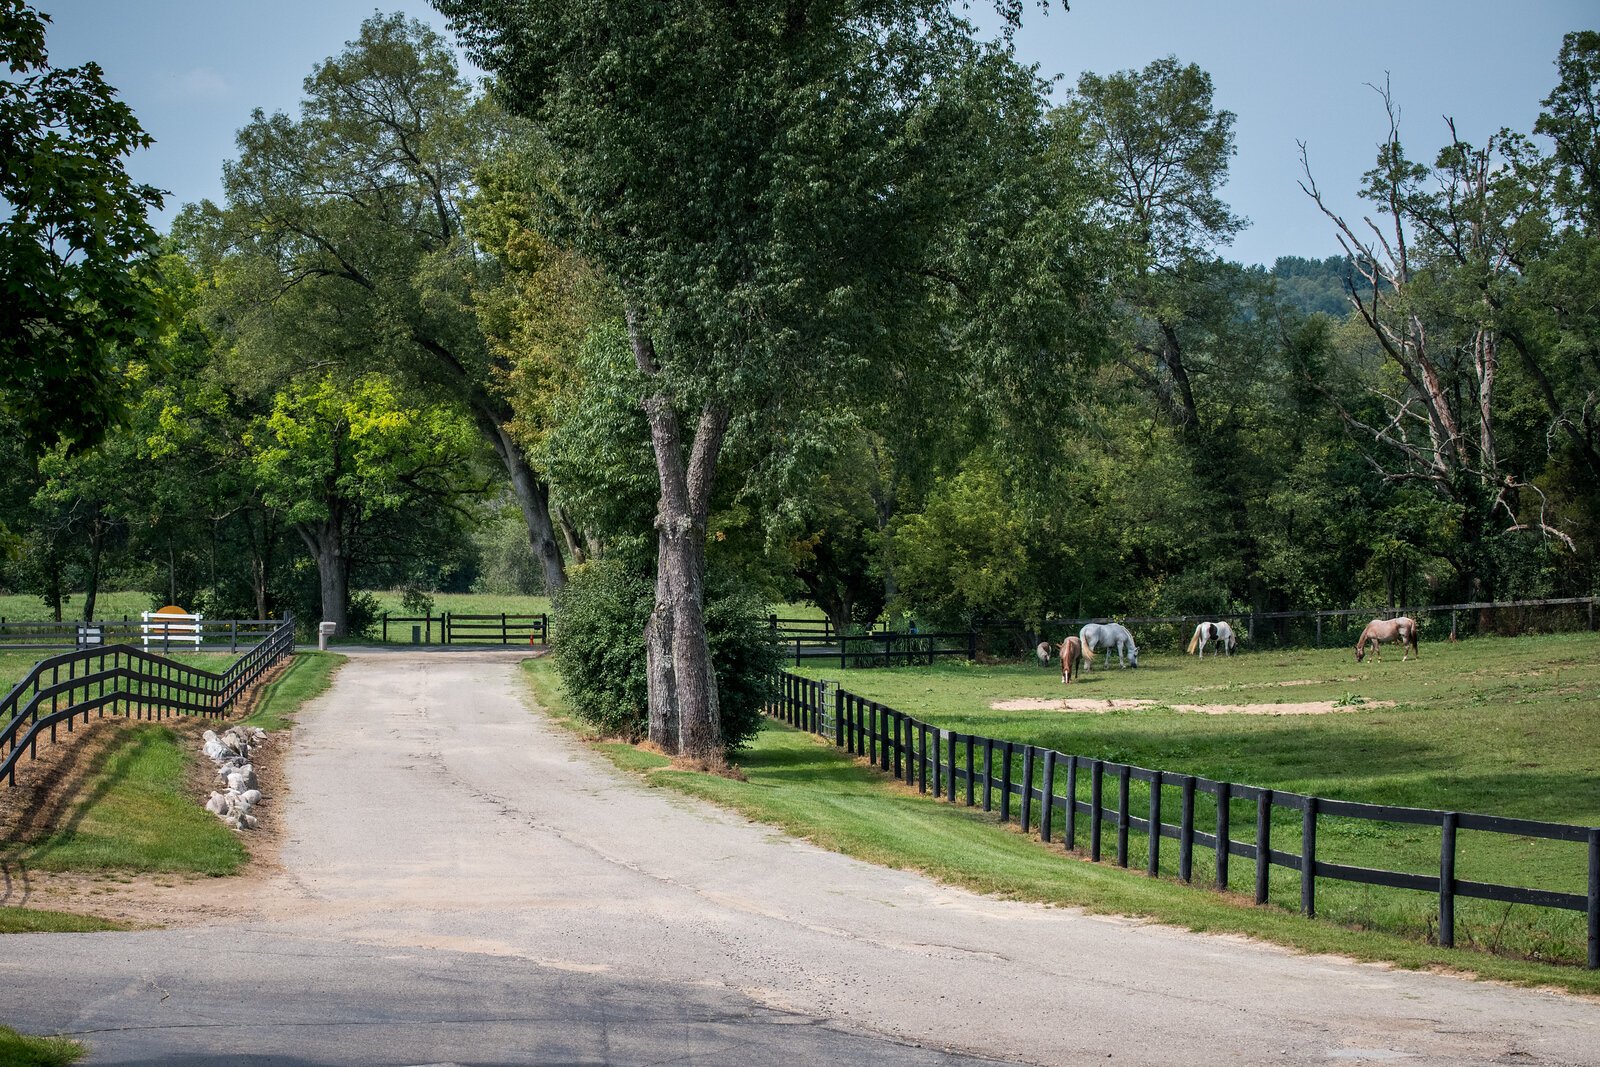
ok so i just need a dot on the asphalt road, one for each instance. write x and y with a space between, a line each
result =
463 883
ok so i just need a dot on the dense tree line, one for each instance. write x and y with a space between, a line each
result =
804 301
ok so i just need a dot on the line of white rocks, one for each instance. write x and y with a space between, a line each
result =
230 751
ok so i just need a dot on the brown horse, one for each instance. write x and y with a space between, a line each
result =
1071 652
1378 631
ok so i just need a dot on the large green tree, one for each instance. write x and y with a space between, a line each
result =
342 241
778 190
72 229
336 457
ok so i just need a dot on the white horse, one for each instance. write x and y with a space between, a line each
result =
1043 652
1207 632
1108 635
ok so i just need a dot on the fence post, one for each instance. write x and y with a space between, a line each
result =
970 783
1027 787
1122 815
1319 629
1447 881
1069 835
922 757
1263 842
233 635
950 770
1594 894
1047 801
1097 774
1153 866
988 773
1186 830
386 627
1005 782
1308 859
1224 793
896 719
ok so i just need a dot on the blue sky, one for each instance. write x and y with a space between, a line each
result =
1291 71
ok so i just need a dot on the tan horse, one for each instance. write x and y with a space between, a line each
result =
1378 631
1071 653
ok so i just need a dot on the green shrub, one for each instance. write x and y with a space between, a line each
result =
600 652
599 645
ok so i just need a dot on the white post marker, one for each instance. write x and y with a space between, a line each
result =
325 631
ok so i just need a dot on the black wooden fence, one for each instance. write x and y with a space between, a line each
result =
805 639
975 767
181 634
456 628
145 685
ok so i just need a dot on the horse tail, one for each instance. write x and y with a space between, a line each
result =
1194 642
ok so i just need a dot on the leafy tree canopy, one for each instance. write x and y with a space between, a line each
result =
74 225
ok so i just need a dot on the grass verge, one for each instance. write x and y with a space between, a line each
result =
308 675
41 921
813 791
21 1050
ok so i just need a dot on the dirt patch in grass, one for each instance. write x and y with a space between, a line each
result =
1257 685
1093 705
44 796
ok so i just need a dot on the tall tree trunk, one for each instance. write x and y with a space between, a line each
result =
533 496
569 533
684 715
91 591
678 619
333 571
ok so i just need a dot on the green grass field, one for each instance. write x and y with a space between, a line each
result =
25 607
1498 726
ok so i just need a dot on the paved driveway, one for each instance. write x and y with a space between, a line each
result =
463 883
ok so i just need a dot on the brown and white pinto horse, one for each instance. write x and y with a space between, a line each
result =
1071 653
1378 631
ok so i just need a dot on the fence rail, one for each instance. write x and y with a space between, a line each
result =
459 628
61 689
818 639
963 764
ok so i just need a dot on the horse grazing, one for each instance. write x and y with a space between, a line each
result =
1108 635
1071 653
1043 652
1207 632
1378 631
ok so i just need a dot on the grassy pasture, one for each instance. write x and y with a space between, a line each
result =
25 607
1496 726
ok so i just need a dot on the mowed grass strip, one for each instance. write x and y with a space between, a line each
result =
22 1050
814 791
308 675
42 921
